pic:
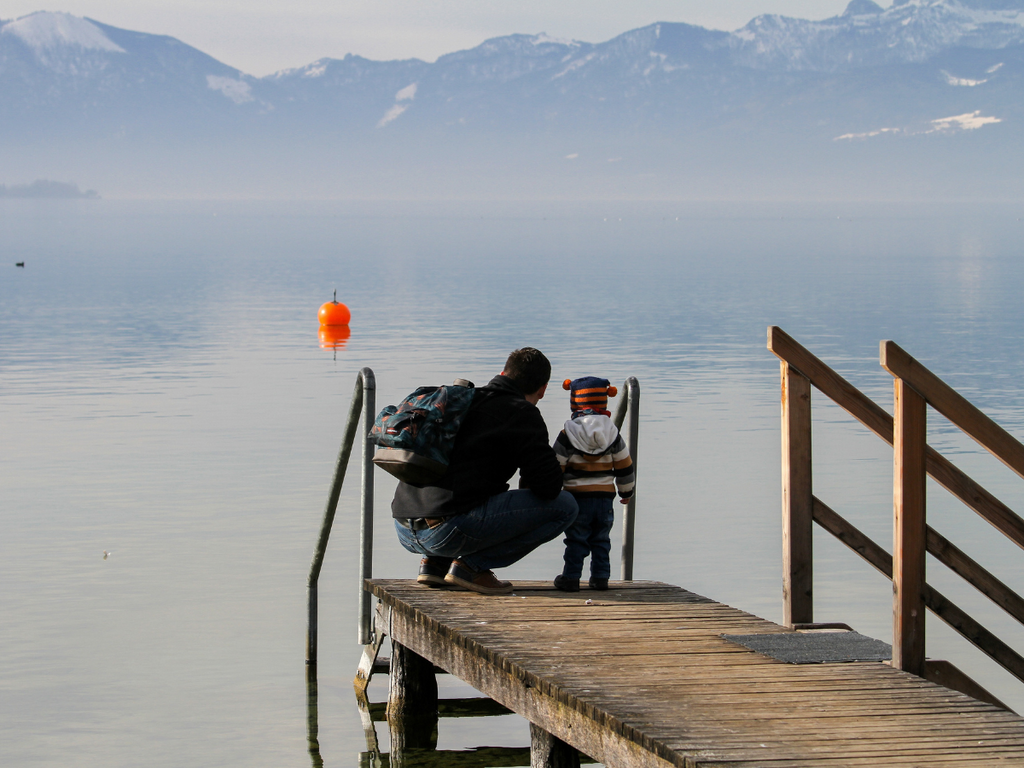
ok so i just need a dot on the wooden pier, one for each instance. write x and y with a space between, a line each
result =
642 675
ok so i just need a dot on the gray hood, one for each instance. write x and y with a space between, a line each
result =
592 433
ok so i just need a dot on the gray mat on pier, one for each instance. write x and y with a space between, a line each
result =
815 647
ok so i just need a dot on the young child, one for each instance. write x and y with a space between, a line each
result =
595 460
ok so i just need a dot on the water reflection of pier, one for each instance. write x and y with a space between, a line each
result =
413 740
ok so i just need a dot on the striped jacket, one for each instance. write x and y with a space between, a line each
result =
594 457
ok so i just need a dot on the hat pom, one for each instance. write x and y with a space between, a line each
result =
567 384
612 391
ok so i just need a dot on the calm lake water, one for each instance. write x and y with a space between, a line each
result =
164 398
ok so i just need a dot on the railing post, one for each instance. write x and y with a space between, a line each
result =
629 407
366 507
797 499
909 529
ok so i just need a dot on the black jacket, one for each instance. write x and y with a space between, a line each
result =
502 432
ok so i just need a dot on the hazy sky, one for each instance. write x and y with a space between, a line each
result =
263 36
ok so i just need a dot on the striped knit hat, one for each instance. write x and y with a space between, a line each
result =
589 393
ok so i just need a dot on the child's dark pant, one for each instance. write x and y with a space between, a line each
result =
589 534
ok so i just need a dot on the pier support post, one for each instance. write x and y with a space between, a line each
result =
412 704
412 692
547 751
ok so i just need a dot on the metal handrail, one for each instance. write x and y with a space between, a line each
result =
364 401
629 405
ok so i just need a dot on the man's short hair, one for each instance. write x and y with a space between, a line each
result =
528 368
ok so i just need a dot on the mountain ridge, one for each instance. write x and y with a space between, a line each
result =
668 100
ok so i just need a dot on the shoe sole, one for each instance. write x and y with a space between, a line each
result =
473 587
429 580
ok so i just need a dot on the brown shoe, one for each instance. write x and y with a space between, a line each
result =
433 571
484 582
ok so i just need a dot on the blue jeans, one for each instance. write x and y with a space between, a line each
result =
590 534
504 529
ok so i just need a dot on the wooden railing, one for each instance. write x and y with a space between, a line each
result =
915 388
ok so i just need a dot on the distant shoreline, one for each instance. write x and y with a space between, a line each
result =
45 189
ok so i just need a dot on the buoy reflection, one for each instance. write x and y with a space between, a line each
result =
334 336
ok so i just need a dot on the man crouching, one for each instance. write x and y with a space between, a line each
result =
469 522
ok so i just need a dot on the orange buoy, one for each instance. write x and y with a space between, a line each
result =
334 313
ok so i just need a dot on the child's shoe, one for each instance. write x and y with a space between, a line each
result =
565 584
595 583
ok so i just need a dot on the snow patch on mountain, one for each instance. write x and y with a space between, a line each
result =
45 31
544 38
954 80
406 94
574 65
970 121
392 114
867 134
238 91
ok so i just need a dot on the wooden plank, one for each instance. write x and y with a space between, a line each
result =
797 499
633 704
949 675
953 406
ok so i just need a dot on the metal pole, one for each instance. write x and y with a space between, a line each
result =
629 406
329 510
366 507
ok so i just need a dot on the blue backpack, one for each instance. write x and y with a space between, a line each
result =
415 438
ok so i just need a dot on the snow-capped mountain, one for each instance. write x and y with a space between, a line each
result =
778 87
866 35
61 72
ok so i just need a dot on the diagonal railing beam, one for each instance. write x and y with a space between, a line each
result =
974 574
875 418
937 603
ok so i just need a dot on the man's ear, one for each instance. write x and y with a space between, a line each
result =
534 397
